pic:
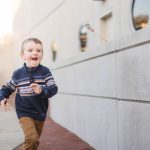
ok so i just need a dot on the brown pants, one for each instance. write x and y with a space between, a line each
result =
32 130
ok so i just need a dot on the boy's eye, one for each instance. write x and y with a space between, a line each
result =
39 50
30 50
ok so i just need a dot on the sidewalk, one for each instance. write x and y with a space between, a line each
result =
10 131
54 136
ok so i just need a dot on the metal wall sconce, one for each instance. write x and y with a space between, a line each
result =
83 31
83 37
54 49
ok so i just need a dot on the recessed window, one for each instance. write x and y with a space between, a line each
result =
141 13
106 27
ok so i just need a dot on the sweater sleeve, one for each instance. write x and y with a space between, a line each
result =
50 89
7 89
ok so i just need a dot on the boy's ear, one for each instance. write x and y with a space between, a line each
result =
22 56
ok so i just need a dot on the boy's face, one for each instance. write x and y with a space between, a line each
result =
32 54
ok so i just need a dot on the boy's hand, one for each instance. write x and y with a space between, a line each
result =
36 88
5 105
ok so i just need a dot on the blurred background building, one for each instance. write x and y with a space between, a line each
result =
99 54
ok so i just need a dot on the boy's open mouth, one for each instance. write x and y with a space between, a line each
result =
34 58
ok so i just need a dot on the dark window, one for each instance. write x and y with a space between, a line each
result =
141 13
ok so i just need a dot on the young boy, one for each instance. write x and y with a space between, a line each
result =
33 84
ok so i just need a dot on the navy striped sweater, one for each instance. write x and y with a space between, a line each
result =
28 103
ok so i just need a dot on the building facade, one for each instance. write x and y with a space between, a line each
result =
99 54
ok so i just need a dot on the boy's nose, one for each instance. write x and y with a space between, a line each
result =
34 53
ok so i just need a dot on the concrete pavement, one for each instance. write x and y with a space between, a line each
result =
11 133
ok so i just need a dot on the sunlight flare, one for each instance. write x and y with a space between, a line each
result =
7 12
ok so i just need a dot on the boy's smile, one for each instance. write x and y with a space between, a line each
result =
34 58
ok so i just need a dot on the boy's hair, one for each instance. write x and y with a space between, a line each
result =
35 40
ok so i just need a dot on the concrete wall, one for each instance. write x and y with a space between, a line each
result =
104 96
103 92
